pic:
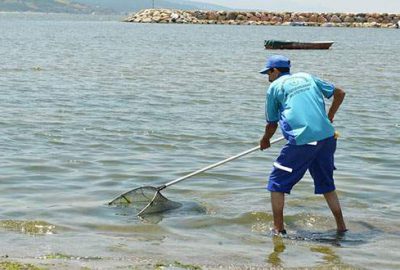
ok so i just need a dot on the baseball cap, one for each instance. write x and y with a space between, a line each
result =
276 61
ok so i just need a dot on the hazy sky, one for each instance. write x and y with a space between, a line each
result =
389 6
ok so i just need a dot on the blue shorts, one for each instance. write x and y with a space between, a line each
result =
294 160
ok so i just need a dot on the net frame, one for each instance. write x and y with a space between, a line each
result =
146 199
158 197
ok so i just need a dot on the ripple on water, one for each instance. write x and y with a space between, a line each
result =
32 227
249 218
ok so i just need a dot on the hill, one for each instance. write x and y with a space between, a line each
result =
126 6
65 6
101 6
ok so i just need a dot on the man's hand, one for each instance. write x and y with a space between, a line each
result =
331 116
264 143
270 129
338 96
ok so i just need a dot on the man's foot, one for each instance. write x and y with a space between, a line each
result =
275 232
342 232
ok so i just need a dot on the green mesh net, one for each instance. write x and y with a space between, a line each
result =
145 200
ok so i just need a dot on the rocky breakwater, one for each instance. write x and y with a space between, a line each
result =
378 20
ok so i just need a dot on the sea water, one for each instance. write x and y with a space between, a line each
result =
92 107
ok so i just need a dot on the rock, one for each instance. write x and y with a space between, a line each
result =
276 19
313 18
221 13
146 20
174 16
383 20
349 19
221 18
241 17
303 19
296 23
335 19
254 19
322 19
374 24
264 18
200 15
360 19
212 16
231 15
330 24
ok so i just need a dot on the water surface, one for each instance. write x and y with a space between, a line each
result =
93 107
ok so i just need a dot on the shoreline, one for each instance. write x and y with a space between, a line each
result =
365 20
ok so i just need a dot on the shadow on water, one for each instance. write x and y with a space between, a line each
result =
361 232
330 237
177 209
324 244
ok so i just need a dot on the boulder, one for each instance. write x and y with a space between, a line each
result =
384 20
313 18
360 19
276 19
328 24
146 20
335 19
221 18
264 17
241 17
211 15
348 19
254 19
231 15
322 19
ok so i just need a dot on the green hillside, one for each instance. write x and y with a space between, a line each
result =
100 6
44 6
123 6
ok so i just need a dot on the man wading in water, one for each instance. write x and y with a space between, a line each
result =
296 101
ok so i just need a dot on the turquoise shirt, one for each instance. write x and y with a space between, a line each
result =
297 102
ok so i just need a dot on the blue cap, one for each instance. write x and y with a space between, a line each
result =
276 61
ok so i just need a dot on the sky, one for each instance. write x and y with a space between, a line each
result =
355 6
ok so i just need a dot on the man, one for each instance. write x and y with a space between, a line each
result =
296 101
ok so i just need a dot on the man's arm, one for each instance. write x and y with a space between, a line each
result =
338 97
270 129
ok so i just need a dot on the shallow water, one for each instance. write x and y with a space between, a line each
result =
93 107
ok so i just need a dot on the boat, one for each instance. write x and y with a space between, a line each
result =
297 45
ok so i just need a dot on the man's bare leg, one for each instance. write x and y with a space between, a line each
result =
334 204
278 202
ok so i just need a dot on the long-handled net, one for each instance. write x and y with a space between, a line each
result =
149 200
147 197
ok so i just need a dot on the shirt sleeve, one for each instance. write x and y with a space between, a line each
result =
271 107
326 88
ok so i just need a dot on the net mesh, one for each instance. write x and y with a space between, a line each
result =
146 200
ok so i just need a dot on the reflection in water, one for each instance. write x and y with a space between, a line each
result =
279 247
330 258
332 240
